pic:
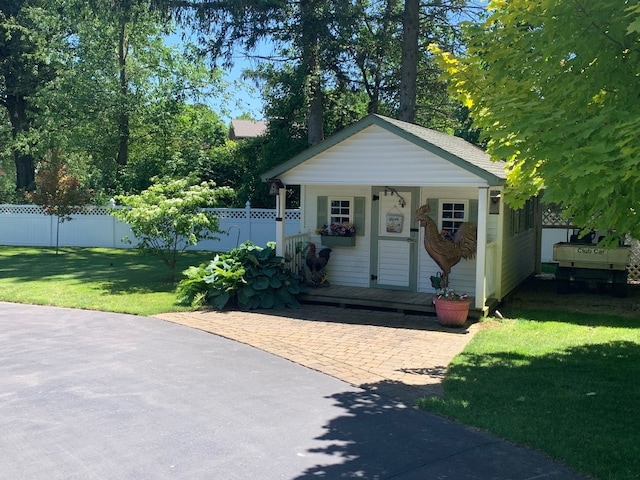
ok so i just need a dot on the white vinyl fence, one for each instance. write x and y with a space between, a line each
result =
28 225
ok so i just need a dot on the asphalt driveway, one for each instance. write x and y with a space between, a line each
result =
92 395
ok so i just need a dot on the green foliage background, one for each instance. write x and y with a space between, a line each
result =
553 85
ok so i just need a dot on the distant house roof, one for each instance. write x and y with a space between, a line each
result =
241 129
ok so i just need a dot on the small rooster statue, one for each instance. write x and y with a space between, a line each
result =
447 253
317 264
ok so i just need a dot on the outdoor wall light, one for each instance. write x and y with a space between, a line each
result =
494 204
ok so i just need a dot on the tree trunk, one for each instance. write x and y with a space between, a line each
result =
25 165
123 122
25 171
409 67
311 62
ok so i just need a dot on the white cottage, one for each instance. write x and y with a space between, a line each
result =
376 173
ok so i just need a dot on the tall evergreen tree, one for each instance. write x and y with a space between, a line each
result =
409 61
26 31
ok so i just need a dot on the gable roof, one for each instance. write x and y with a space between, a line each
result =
454 149
241 129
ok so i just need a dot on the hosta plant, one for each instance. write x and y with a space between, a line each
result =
248 277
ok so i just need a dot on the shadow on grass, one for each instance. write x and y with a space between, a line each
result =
114 271
579 404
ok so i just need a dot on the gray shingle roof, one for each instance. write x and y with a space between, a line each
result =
454 145
455 149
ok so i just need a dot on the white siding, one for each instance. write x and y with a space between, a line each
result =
348 266
518 256
375 156
463 275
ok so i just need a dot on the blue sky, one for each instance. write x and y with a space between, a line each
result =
242 96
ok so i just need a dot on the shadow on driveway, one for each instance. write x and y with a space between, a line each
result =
92 395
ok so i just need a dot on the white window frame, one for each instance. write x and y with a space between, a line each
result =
443 224
340 217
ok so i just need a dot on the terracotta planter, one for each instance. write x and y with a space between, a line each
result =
337 241
452 313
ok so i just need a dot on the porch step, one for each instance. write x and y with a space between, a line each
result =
377 298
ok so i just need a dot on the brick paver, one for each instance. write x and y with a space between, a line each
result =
404 356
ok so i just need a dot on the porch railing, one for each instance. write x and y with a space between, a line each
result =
294 251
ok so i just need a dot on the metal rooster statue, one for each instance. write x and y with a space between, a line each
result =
317 265
447 253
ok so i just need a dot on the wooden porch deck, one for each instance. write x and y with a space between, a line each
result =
397 300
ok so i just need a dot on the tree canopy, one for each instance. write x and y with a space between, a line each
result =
554 87
99 82
372 46
25 68
113 93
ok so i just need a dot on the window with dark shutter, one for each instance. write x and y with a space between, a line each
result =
342 210
452 214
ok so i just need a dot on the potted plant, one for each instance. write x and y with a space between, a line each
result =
337 235
452 308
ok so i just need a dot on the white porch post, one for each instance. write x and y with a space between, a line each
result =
481 254
281 201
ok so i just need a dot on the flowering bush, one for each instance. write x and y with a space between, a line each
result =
450 294
338 229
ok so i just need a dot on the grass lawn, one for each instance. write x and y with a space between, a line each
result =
111 280
567 384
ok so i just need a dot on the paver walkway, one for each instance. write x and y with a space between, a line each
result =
404 356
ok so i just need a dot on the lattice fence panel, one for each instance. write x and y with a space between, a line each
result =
27 225
552 218
634 264
254 214
7 209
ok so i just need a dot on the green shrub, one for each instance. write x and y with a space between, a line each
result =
170 216
248 277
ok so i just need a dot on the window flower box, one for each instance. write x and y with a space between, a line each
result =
337 241
337 235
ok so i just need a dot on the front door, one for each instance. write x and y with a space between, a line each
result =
394 252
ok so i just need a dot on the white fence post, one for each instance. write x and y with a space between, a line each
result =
247 211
